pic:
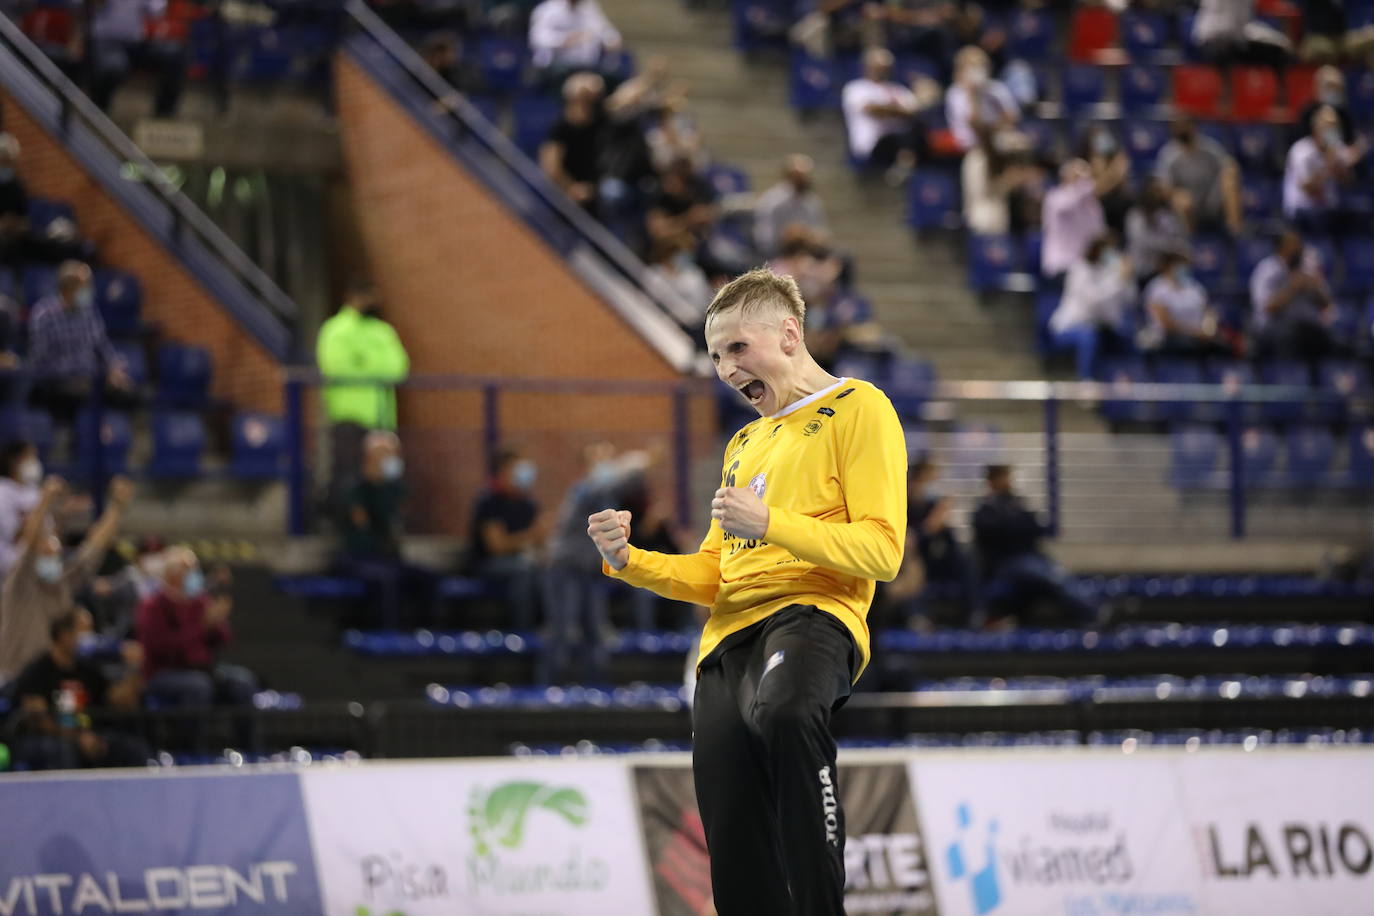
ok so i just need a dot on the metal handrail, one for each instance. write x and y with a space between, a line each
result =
185 213
477 126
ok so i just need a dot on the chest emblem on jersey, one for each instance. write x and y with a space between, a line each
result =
759 485
811 428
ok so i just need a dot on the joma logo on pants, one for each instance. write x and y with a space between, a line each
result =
831 807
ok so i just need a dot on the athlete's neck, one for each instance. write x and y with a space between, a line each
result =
809 379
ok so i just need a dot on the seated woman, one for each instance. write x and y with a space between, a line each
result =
1179 319
1094 314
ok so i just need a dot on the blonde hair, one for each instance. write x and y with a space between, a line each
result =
759 289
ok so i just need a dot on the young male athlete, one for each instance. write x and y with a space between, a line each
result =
811 510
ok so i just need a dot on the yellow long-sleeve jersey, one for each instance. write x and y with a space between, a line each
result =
832 470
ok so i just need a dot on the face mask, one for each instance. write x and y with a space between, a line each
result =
31 472
978 76
1104 144
1183 275
1333 97
194 583
524 474
1331 136
1110 259
48 568
87 643
85 297
1186 137
393 467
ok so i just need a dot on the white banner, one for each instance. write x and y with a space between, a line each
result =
1057 834
1285 832
502 838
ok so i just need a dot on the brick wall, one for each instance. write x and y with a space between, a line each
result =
471 290
244 373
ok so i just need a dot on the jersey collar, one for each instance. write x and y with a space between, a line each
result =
809 399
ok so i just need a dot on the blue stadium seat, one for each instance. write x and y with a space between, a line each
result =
1043 135
727 179
135 360
1083 86
1143 140
115 436
1142 88
932 200
991 259
1031 34
501 61
36 426
1358 254
910 383
1211 260
1311 451
1259 197
761 23
1359 87
183 375
812 84
1123 376
1180 372
258 445
976 444
1250 250
850 309
1289 375
261 54
1259 456
1046 302
906 68
1221 133
1143 35
119 297
860 366
39 280
1361 444
178 442
43 213
487 106
1196 454
534 116
1031 245
1257 149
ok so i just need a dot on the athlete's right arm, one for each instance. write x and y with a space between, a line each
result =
692 577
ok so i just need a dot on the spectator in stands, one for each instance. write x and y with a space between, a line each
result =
804 257
572 155
1111 169
976 100
673 269
371 526
1152 228
121 44
793 200
68 348
14 201
357 345
50 728
1180 321
880 116
684 207
1318 167
506 534
1202 178
183 627
21 475
571 35
992 174
672 132
943 558
1008 536
1071 217
40 584
1328 91
444 54
1227 32
1094 315
1291 302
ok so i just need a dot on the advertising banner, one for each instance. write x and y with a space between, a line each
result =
512 838
1057 835
885 862
165 844
1282 832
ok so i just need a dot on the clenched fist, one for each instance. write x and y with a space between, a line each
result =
609 530
740 512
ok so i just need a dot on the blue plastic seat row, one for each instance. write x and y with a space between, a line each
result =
426 642
1250 739
1224 586
634 696
1300 458
1160 687
1133 638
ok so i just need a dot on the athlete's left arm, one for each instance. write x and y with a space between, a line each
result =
871 452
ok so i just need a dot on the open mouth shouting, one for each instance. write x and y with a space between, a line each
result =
753 391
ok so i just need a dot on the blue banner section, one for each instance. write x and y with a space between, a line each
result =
212 844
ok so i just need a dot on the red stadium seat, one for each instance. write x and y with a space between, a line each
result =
1197 90
1254 93
1298 88
1092 31
49 26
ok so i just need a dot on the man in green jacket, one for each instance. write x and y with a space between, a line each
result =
357 343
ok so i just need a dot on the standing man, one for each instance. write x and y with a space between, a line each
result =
357 343
811 510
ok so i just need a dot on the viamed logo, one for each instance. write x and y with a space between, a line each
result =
984 890
498 816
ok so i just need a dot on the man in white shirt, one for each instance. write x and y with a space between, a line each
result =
1180 320
976 100
1071 217
1292 305
569 35
790 201
880 115
1318 166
